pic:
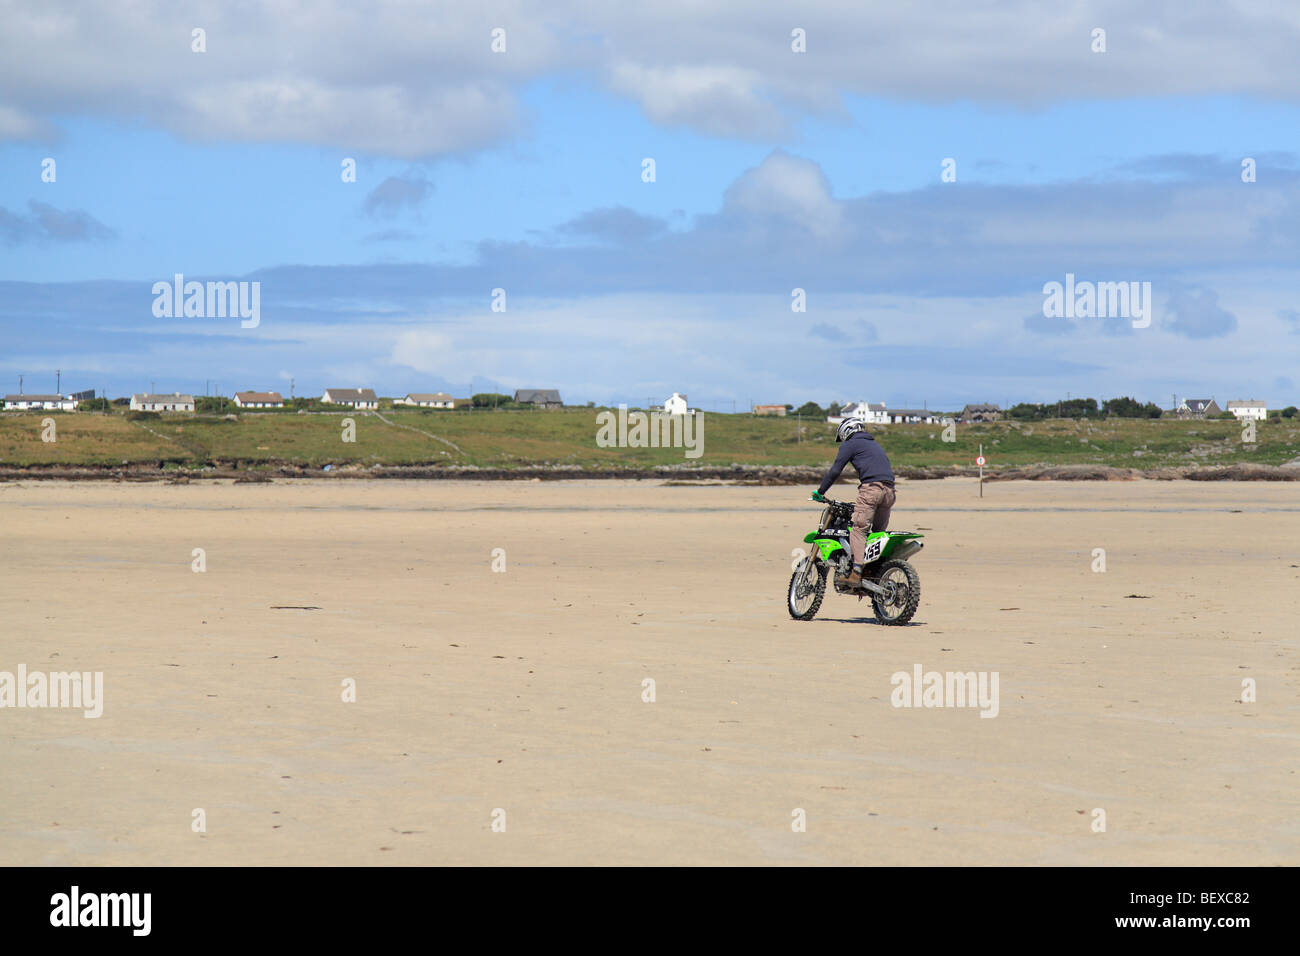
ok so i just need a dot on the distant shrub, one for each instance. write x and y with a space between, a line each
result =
214 403
1125 407
142 416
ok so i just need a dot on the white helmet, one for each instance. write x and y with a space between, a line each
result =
849 426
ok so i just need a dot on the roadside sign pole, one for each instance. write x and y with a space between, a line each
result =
981 469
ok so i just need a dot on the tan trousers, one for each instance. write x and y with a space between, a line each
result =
870 513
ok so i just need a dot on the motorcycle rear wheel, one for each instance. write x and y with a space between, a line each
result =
904 586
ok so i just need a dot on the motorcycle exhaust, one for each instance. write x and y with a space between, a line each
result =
906 550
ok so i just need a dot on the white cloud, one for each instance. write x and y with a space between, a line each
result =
15 124
425 351
790 190
387 119
725 100
399 79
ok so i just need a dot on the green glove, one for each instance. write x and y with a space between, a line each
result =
818 496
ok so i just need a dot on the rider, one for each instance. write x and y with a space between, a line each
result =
875 488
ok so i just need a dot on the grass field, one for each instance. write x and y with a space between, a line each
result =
509 439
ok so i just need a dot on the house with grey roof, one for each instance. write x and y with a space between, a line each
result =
353 397
980 412
1197 408
539 397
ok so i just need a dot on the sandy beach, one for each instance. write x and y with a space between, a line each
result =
521 690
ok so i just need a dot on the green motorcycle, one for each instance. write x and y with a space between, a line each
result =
891 582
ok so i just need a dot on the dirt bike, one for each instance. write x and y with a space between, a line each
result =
887 577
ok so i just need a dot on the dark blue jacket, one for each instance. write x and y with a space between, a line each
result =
869 459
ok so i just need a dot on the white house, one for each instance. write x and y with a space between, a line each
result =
910 416
44 402
676 405
863 411
259 400
54 403
1249 409
427 400
175 402
355 397
845 409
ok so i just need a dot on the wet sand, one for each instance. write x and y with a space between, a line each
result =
522 690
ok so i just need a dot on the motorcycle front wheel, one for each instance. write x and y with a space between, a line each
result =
807 587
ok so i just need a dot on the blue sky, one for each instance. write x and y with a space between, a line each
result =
774 170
